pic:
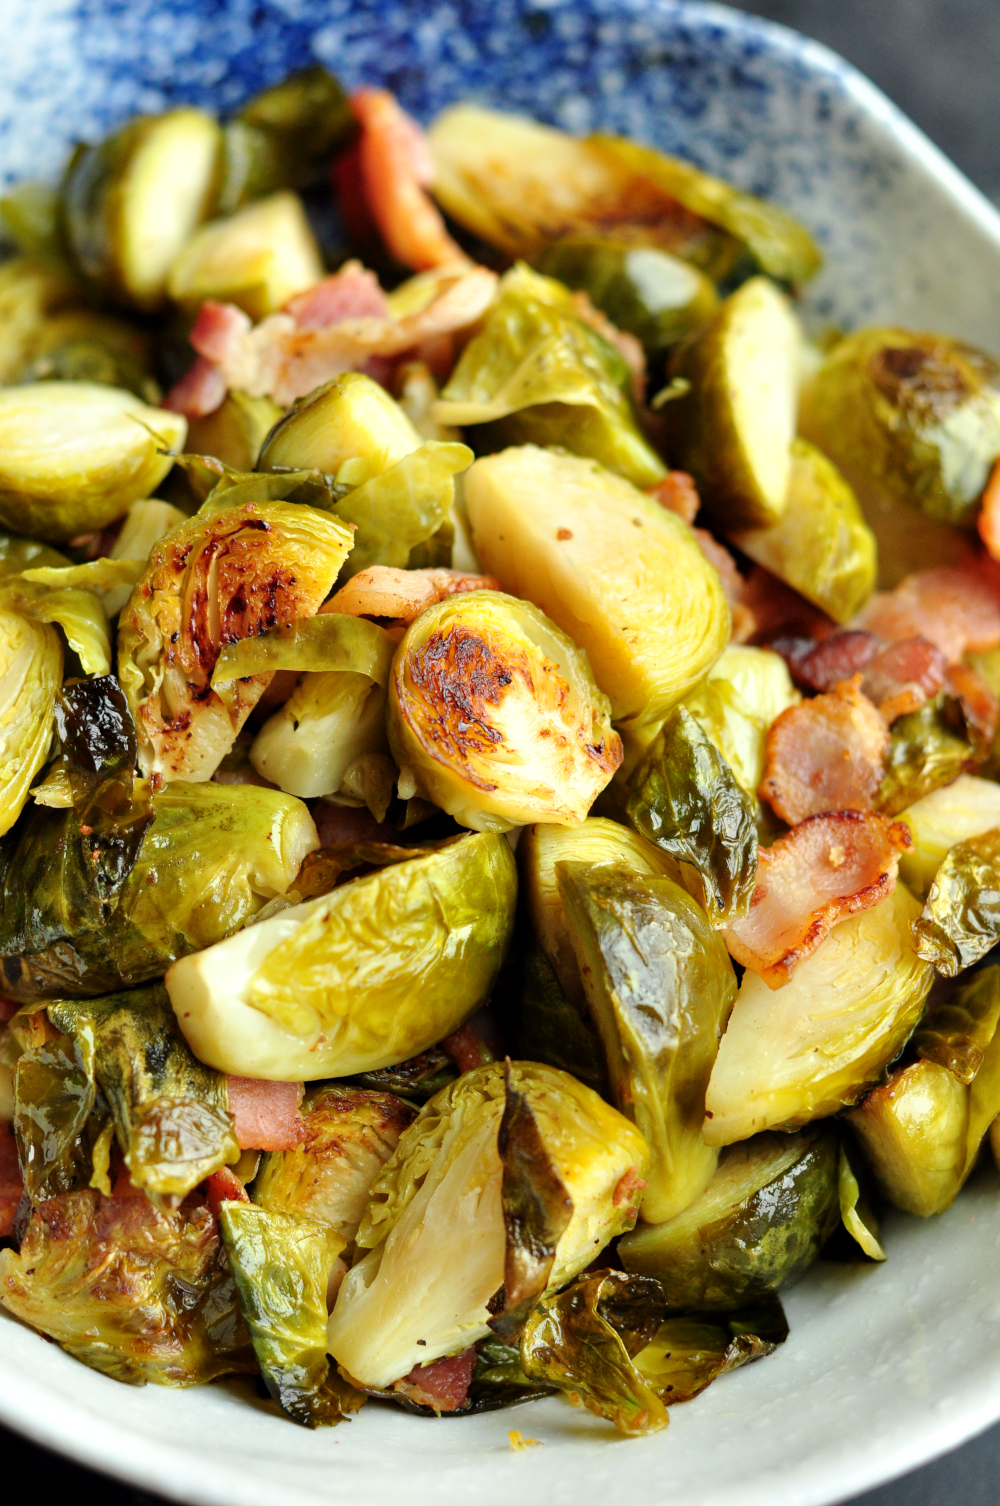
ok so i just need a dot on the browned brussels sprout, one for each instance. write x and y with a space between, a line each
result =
957 1030
257 259
688 1354
758 1225
967 807
660 987
283 137
350 429
414 1080
913 1130
135 1292
55 1123
961 917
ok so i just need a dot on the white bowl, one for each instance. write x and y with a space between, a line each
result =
886 1366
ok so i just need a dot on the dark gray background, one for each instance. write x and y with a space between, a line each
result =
940 61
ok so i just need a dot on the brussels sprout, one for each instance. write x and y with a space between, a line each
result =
400 514
660 987
347 1136
571 1342
758 1225
984 1102
146 523
437 1215
856 1212
743 692
624 577
31 666
733 429
960 921
170 1112
135 1292
656 297
18 555
283 137
350 428
684 797
75 455
926 751
958 1029
786 1056
31 294
359 979
912 419
236 430
544 1026
30 216
237 568
498 1380
55 1093
132 202
688 1354
539 374
257 258
821 545
913 1130
495 713
967 807
281 1265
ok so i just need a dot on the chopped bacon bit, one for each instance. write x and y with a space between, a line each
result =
743 620
384 591
265 1114
11 1185
396 167
904 676
836 658
980 706
224 1186
351 293
989 517
781 612
627 1190
956 606
678 493
825 755
217 328
466 1049
628 347
341 823
200 390
443 1385
824 869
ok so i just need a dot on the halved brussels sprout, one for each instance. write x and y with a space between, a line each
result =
913 1130
361 978
926 751
537 373
688 1354
960 921
540 1022
813 1046
350 429
257 258
821 545
759 1224
283 137
236 569
135 1292
495 715
235 432
31 668
32 293
624 577
132 202
435 1227
958 1029
733 429
967 807
75 455
686 799
660 987
743 692
655 296
401 515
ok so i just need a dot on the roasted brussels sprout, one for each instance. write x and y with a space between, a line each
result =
283 137
688 1354
660 987
75 455
235 431
624 577
414 1080
539 1021
361 978
439 1207
131 203
135 1292
960 921
913 1130
958 1028
539 374
655 296
237 568
759 1224
967 807
495 717
400 514
257 258
350 429
786 1058
31 666
686 799
55 1094
926 751
733 429
821 545
742 694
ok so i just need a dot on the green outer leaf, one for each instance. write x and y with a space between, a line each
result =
684 797
329 641
29 706
17 555
960 920
77 611
925 752
855 1209
54 1097
688 1353
403 506
957 1031
498 1380
546 1026
97 574
283 137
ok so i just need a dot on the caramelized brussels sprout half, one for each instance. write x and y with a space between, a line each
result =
821 545
913 1130
131 203
757 1227
733 429
31 668
236 430
358 979
435 1226
537 373
624 577
350 429
926 751
75 455
967 807
786 1058
660 987
283 137
958 1029
257 258
743 692
960 921
136 1292
494 715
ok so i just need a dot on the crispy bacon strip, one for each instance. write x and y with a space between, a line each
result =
200 390
989 516
351 293
821 666
824 869
678 493
224 1186
825 755
956 606
443 1385
904 676
384 591
265 1114
466 1049
11 1185
980 706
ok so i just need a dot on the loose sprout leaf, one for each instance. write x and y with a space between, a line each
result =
856 1211
569 1343
957 1030
684 797
31 670
687 1354
403 507
100 574
960 920
927 749
77 610
54 1097
331 641
498 1380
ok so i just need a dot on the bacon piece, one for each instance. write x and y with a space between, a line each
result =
396 168
384 591
824 869
781 612
351 293
904 676
743 621
443 1385
628 347
980 706
466 1049
224 1186
200 390
825 755
218 328
265 1114
678 493
956 606
989 516
627 1190
820 666
11 1185
341 823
